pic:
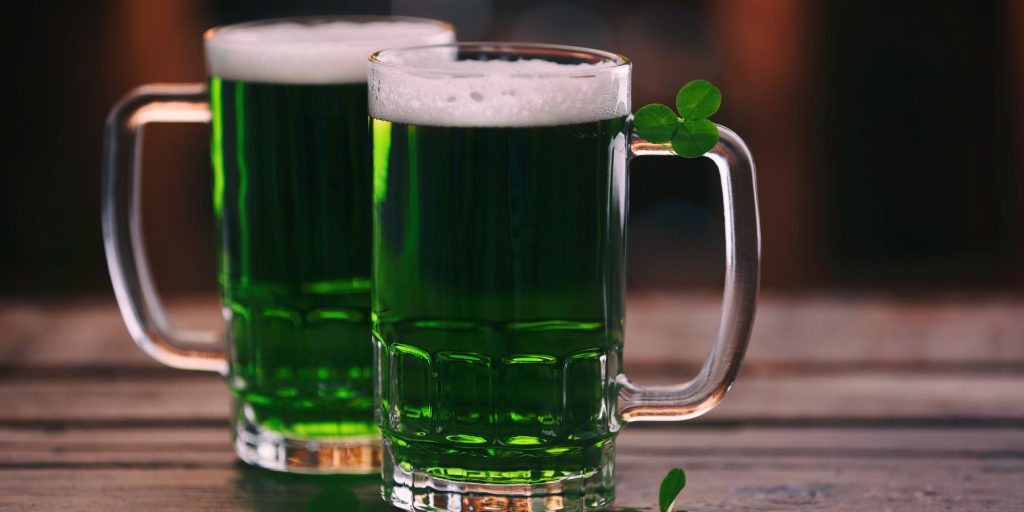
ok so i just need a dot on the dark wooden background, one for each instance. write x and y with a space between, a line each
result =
886 135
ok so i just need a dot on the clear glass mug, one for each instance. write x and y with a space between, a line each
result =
291 180
499 220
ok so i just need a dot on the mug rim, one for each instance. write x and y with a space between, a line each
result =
605 60
210 33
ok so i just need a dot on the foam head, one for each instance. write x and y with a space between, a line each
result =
313 51
435 86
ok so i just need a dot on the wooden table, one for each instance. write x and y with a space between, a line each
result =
846 403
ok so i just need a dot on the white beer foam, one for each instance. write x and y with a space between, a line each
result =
435 89
319 52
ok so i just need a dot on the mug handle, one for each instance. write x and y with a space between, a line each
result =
742 268
137 298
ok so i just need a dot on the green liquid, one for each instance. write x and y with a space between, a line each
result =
292 182
497 303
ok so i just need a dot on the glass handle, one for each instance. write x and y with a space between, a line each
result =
742 266
122 225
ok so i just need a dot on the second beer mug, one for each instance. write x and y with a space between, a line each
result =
499 199
291 180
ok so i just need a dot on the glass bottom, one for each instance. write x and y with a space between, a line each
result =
265 448
417 490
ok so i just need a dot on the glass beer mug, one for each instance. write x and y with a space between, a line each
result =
291 179
499 217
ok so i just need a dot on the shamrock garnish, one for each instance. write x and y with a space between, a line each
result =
671 485
691 133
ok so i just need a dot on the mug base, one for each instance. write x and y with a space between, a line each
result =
264 448
417 490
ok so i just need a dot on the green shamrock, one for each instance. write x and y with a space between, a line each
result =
690 132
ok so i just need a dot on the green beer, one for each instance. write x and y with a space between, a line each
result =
498 276
292 197
292 201
498 261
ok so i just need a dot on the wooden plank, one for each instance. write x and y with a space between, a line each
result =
964 486
745 469
211 446
193 398
884 398
836 328
773 114
84 332
824 329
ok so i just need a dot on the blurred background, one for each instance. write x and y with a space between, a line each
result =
887 134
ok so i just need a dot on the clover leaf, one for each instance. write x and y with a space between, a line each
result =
656 123
671 485
698 100
690 132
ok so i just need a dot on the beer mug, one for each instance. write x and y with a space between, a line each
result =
286 100
499 228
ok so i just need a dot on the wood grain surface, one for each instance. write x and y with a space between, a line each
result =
846 403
